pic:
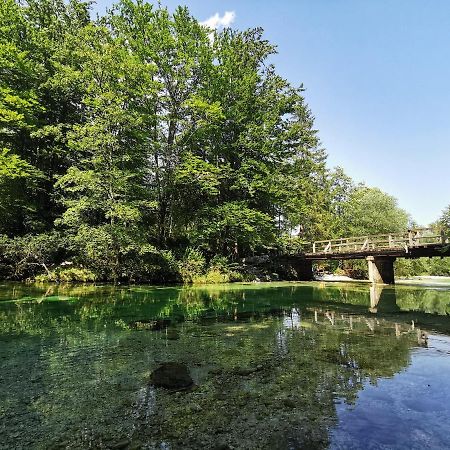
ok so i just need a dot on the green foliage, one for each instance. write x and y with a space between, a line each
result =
212 276
422 266
137 136
439 267
357 269
287 244
12 167
117 253
16 175
220 263
371 211
192 265
234 229
360 211
444 220
238 277
194 269
65 275
197 177
25 256
218 271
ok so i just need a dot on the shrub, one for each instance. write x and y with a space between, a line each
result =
219 263
236 277
192 265
157 266
29 255
65 275
212 276
287 244
340 272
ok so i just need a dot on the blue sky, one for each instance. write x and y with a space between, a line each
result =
377 74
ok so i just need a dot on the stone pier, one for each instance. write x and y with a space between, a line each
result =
381 269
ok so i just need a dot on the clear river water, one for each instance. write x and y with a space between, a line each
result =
275 366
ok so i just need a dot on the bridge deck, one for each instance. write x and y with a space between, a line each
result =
410 244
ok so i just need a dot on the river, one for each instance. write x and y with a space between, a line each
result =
275 366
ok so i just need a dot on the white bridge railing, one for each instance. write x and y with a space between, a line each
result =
412 238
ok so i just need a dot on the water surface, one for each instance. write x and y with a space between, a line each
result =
276 366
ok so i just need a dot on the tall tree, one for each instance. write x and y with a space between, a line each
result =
104 189
34 106
444 220
372 211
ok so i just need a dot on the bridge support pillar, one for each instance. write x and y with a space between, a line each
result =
381 269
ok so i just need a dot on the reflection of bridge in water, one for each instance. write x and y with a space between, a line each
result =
381 301
383 310
380 251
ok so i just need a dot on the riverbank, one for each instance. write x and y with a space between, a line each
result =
422 280
425 280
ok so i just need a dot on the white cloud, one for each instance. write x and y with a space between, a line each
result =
215 21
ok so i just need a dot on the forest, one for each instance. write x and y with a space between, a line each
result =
143 146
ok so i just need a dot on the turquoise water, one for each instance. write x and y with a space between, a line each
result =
275 366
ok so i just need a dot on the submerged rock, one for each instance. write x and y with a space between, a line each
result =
172 375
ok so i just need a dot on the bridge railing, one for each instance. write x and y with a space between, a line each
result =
411 238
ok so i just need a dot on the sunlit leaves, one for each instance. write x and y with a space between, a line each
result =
12 166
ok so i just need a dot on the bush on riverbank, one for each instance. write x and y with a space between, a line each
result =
67 275
25 257
54 258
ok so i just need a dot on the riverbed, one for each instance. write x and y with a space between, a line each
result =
274 366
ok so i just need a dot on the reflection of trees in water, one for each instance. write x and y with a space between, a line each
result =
377 347
268 372
407 298
98 306
109 305
432 301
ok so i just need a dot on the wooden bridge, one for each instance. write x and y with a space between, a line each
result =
413 243
381 250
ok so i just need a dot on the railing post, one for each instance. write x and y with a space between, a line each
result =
365 244
314 247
